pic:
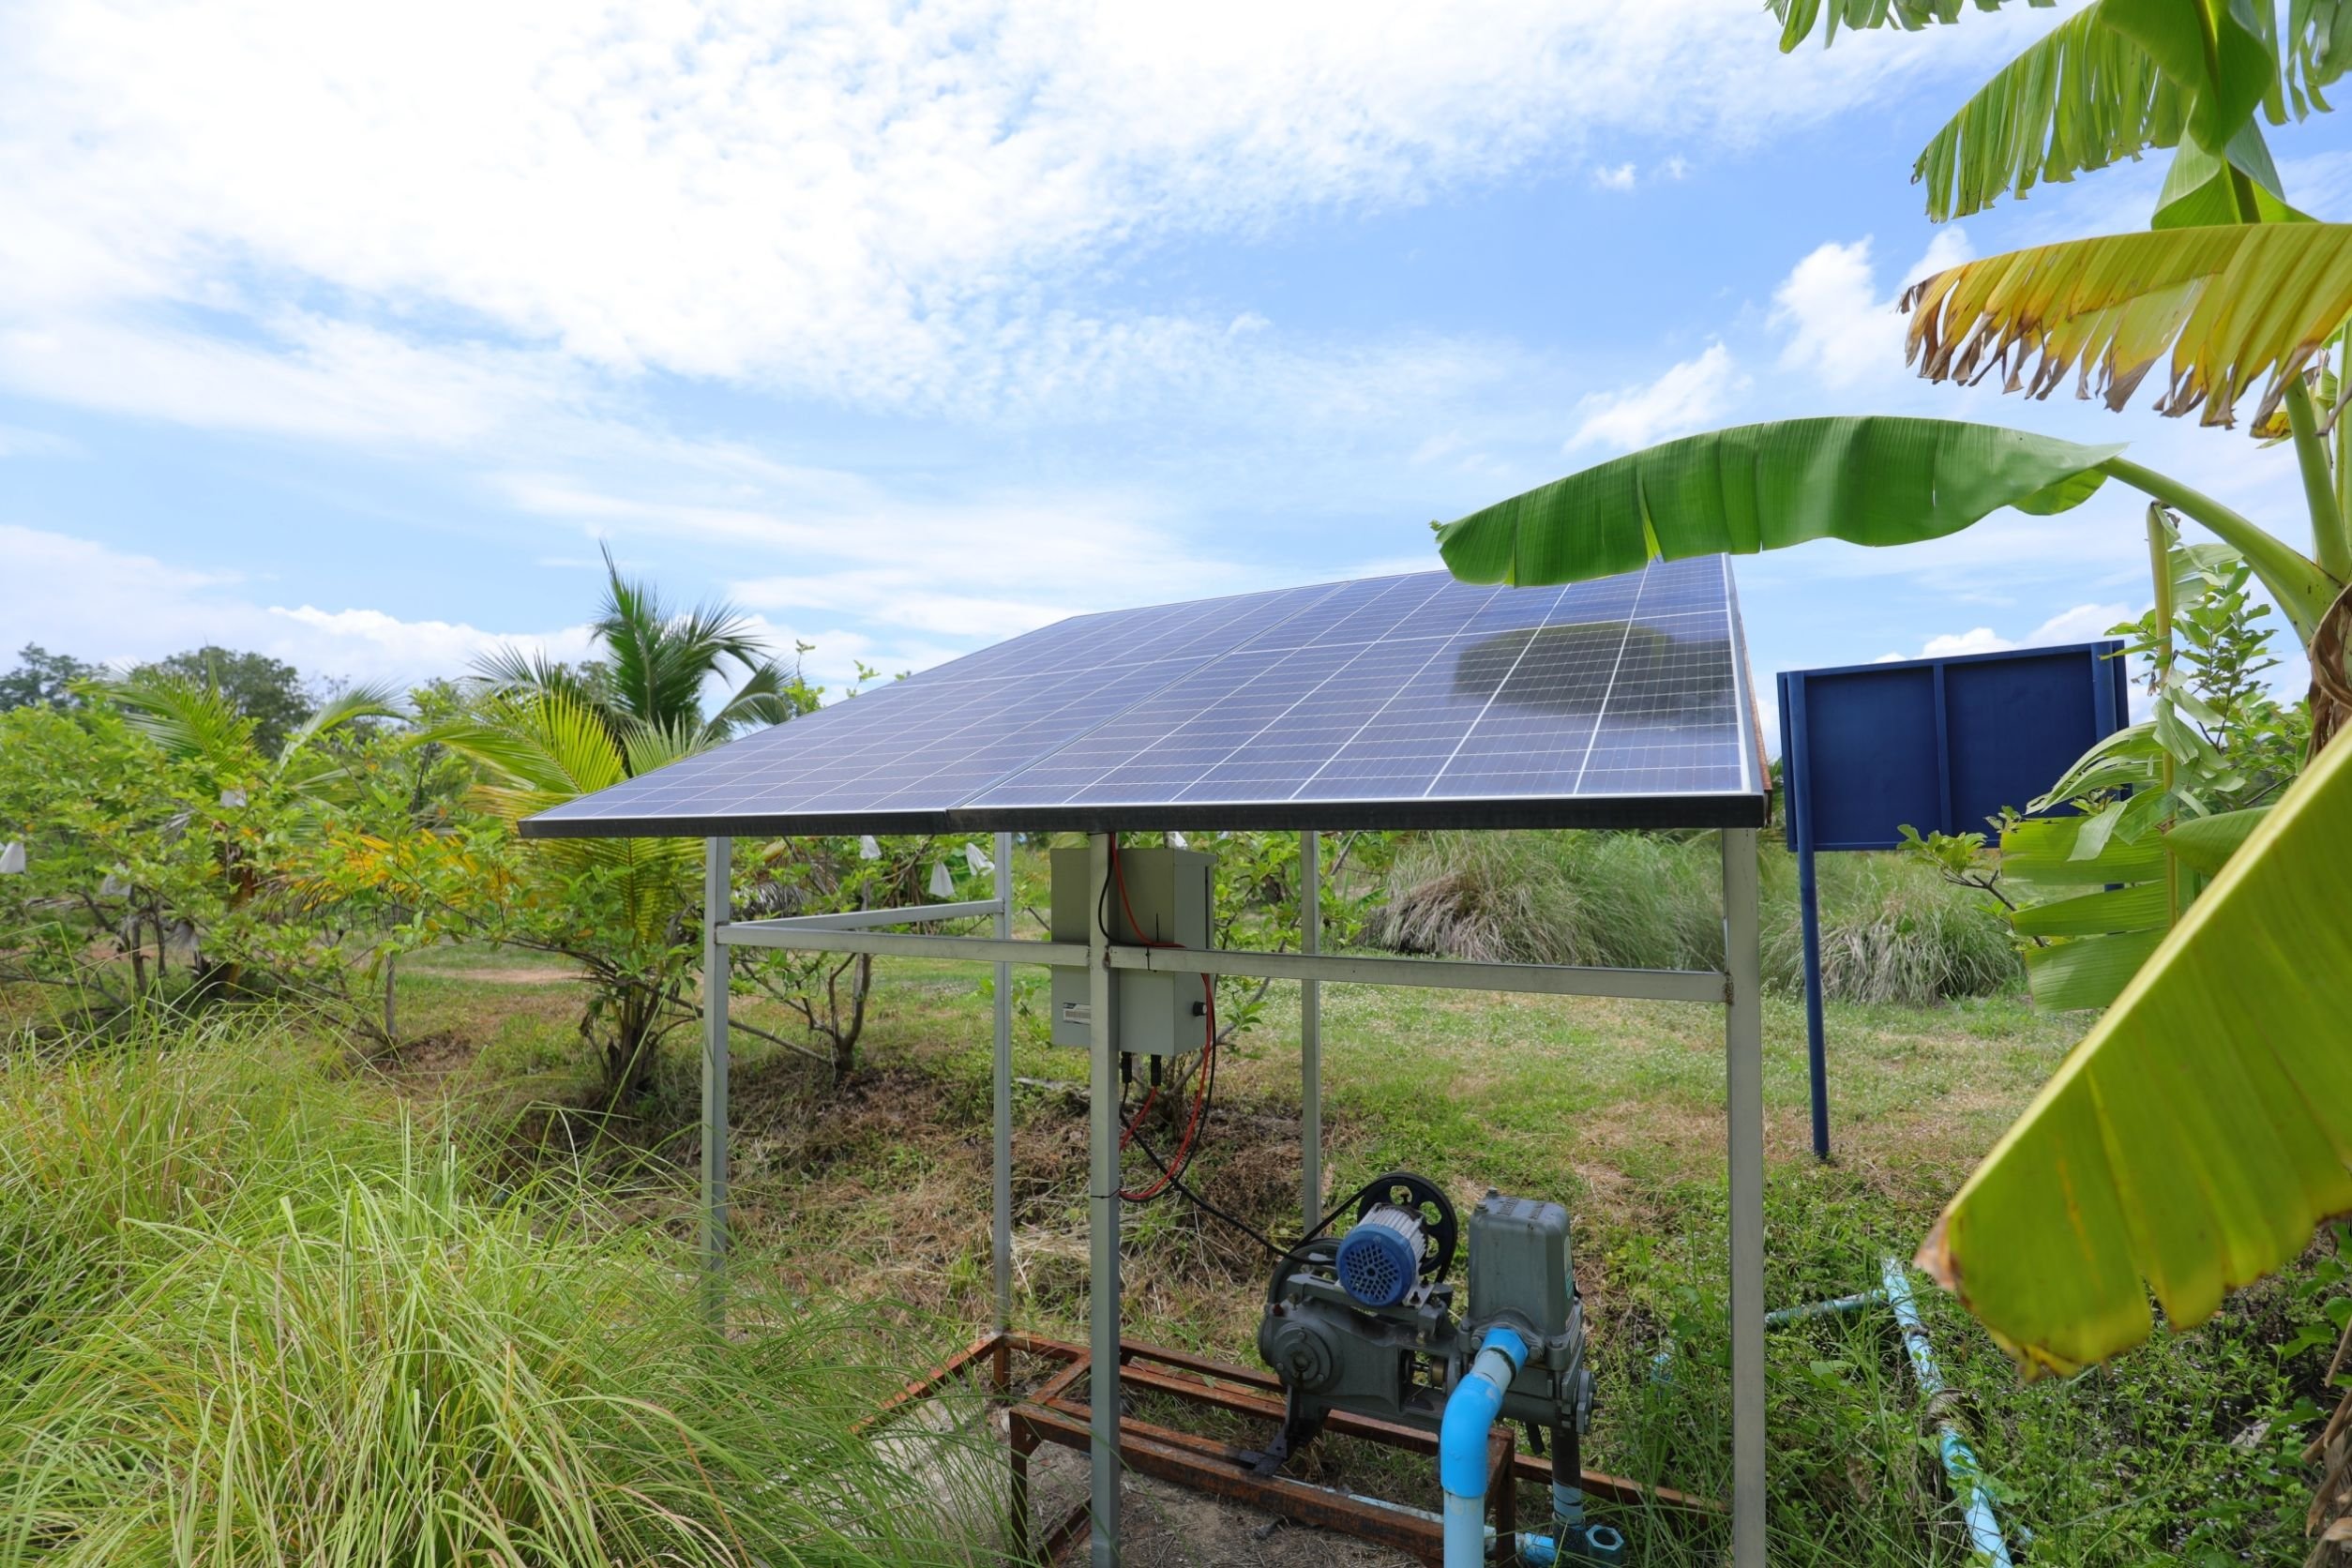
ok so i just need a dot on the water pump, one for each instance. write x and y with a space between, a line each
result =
1366 1322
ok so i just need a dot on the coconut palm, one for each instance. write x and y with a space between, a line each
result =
654 665
619 907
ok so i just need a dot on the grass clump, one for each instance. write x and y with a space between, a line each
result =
1892 931
259 1318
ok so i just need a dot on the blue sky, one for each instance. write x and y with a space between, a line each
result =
909 328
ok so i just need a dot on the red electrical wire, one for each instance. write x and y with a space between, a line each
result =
1204 1071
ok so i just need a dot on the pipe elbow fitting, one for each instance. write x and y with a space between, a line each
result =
1471 1410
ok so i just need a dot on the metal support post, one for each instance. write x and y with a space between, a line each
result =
1310 1033
1743 1075
1102 1197
1001 1190
717 856
1797 800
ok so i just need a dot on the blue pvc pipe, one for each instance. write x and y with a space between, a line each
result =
1960 1463
1470 1410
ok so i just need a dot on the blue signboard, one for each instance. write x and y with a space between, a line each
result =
1939 744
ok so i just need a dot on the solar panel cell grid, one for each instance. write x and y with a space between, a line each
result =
1399 700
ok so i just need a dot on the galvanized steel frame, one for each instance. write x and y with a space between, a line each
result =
1737 991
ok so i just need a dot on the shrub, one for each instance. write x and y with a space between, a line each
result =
1890 930
277 1326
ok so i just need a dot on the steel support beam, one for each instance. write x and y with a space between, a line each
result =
906 945
1310 1033
1001 1188
1743 1077
717 857
1102 1203
1653 985
859 920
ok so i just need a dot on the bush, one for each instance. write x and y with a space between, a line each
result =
258 1321
1891 930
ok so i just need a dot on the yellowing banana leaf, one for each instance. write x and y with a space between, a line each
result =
1870 480
2236 304
2199 1131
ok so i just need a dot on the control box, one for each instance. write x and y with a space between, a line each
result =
1172 895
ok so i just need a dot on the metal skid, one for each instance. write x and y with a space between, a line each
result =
1053 1413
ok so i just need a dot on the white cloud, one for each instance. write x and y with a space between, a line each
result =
17 442
55 589
2085 623
1840 328
1619 178
1690 394
891 207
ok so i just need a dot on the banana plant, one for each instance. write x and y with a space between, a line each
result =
2102 886
2205 1124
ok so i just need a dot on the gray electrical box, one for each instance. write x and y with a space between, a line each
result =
1172 894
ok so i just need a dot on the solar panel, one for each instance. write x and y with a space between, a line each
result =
1395 702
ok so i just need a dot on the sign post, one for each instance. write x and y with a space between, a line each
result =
1938 744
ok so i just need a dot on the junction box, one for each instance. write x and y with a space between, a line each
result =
1172 895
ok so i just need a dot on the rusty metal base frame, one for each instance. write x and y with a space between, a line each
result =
1054 1414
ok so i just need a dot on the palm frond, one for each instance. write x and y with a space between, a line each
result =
660 661
187 718
2238 305
544 744
380 700
1798 18
766 697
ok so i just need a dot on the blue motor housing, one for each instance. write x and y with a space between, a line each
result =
1379 1257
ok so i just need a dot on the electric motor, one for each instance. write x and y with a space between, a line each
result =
1379 1257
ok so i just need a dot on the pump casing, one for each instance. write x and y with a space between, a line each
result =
1335 1352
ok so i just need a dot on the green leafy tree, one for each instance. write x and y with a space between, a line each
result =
43 678
269 692
168 858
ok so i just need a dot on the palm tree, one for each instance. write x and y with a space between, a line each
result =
654 667
547 732
619 907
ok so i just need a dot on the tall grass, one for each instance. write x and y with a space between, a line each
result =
1892 931
253 1315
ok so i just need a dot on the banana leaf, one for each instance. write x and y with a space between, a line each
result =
2200 1130
2106 308
1870 480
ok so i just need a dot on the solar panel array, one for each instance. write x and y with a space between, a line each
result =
1395 702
